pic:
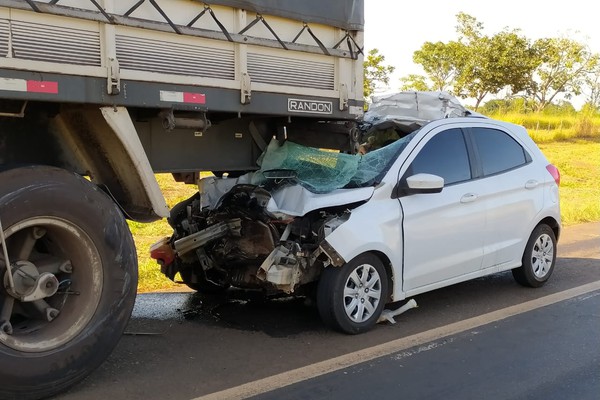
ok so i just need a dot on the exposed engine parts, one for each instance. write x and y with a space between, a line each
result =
238 242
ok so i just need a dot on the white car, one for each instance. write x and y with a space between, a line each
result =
457 199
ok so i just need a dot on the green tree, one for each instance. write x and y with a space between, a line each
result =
562 68
440 61
504 60
375 72
468 28
592 82
415 82
488 64
475 65
507 105
560 107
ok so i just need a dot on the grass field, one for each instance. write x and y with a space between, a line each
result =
551 128
150 277
578 161
570 143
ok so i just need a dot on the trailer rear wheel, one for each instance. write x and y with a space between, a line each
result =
74 268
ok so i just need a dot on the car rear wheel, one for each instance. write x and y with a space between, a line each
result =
350 298
538 259
74 268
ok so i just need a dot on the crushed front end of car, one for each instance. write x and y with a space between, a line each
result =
266 229
240 242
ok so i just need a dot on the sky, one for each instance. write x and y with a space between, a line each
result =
398 27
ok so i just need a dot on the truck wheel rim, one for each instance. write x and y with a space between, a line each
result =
79 291
542 255
362 293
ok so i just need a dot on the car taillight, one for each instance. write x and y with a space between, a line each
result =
554 172
162 252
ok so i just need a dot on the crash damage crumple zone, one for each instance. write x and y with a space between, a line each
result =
267 229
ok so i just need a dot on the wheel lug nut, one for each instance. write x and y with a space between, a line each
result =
6 328
66 267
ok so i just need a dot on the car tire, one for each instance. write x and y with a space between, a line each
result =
51 216
351 298
538 259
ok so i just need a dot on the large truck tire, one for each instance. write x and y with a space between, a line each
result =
57 223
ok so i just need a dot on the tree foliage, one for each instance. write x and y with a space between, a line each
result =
562 68
375 72
415 82
493 63
592 82
439 61
476 65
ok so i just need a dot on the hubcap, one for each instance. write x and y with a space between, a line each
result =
362 293
542 255
57 273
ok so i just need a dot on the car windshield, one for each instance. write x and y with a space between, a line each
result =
322 171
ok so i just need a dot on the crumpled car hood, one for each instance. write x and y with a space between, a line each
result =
293 200
298 201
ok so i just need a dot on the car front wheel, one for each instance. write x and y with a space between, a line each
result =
350 298
538 259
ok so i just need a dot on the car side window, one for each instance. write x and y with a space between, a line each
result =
444 155
497 150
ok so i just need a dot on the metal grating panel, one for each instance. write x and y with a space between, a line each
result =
290 72
174 58
4 35
39 42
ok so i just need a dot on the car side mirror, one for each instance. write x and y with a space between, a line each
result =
418 184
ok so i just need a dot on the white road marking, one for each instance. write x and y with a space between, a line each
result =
395 346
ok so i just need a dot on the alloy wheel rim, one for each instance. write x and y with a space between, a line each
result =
542 256
362 293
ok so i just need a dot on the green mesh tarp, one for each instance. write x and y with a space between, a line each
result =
322 171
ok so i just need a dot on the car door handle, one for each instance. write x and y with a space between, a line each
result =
469 198
531 184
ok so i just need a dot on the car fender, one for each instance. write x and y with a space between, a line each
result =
373 227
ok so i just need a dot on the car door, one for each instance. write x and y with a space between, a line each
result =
443 232
511 187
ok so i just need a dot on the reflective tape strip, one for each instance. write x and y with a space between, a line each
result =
23 85
196 98
182 97
13 85
42 87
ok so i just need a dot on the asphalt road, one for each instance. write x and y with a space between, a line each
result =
522 357
488 338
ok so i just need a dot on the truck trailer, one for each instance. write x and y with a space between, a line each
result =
96 96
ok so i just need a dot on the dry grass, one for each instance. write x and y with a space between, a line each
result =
150 277
579 164
550 128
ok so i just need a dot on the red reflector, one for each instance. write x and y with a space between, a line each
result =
163 253
42 87
554 172
196 98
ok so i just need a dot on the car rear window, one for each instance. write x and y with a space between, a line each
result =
497 150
